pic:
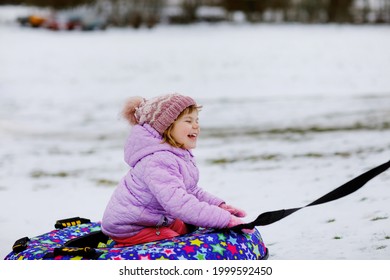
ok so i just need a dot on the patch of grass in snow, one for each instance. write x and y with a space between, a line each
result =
331 221
41 174
378 218
321 155
387 237
218 161
274 157
278 157
337 237
221 132
103 137
88 152
381 247
310 155
106 182
254 158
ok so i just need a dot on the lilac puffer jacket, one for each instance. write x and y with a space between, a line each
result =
160 187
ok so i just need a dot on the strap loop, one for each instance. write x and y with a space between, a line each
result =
20 245
60 224
86 252
344 190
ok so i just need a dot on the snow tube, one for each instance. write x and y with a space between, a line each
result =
82 239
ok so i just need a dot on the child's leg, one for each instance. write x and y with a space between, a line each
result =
146 235
179 226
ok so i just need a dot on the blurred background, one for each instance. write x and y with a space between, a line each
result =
99 14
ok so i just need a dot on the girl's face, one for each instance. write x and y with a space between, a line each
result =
186 130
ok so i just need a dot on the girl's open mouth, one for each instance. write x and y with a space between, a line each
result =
193 135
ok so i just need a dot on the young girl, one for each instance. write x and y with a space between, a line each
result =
159 197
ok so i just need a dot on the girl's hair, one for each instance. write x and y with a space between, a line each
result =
167 135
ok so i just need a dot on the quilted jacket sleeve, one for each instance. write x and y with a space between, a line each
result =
162 175
202 195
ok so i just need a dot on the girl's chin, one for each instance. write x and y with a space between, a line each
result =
190 146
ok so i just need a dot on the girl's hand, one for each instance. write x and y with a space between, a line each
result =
234 221
233 210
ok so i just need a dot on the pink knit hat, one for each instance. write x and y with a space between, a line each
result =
159 112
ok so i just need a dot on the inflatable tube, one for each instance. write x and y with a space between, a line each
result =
86 241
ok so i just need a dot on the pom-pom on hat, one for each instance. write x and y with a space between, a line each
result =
159 112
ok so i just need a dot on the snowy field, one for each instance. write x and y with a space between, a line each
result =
290 113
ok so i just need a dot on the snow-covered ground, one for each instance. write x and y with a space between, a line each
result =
290 113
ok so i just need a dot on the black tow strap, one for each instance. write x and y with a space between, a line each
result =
344 190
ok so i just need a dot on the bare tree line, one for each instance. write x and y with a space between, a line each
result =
317 11
150 12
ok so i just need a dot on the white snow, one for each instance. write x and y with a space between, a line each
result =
267 92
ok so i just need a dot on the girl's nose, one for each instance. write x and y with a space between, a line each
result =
195 125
